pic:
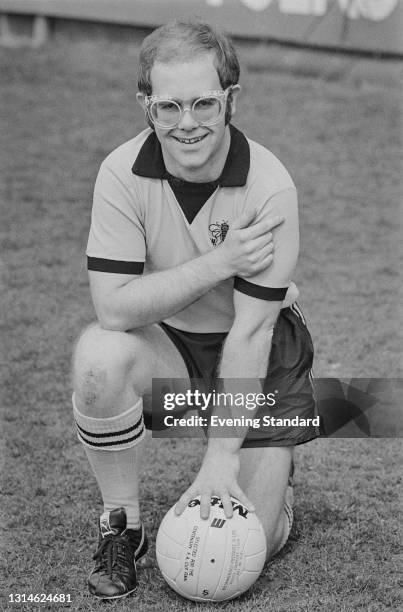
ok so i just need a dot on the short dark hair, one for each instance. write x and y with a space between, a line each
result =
178 40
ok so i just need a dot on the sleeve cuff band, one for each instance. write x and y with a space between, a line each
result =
271 294
112 265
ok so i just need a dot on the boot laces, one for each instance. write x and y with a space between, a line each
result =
115 552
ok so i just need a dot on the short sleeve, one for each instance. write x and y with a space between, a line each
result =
272 284
116 240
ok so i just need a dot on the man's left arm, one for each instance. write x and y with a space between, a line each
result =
245 355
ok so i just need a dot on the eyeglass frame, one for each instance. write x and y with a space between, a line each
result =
215 93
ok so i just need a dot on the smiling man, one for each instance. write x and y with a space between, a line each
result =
192 248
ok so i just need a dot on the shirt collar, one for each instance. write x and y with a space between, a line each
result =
150 162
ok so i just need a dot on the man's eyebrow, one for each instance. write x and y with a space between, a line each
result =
178 100
166 96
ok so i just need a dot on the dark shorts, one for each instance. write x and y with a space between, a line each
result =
289 375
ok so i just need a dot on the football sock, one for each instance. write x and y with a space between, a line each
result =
111 447
288 518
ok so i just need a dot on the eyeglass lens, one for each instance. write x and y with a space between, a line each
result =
168 112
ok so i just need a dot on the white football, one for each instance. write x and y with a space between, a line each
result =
211 560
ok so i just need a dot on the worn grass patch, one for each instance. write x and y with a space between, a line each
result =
63 108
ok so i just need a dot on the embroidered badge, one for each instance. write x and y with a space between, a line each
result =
218 231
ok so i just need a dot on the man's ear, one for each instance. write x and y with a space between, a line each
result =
140 99
235 91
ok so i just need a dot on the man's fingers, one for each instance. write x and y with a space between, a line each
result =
182 502
205 501
261 243
275 221
227 505
266 262
263 227
245 219
257 230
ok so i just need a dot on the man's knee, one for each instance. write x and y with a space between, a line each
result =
103 363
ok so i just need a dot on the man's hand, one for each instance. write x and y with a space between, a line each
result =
218 475
248 247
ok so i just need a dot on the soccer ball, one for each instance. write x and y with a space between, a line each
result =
211 560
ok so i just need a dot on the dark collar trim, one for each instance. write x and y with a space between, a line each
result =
150 162
237 164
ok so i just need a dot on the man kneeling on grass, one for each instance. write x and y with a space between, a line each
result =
211 217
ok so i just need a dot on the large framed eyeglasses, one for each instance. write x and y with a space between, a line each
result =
207 110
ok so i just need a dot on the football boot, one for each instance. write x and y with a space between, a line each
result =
114 574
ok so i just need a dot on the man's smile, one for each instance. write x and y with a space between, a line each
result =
189 141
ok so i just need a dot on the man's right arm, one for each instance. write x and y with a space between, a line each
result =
124 302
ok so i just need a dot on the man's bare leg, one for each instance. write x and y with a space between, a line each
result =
264 479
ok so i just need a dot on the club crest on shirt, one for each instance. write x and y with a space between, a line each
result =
218 231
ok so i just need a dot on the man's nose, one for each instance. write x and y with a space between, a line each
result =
187 121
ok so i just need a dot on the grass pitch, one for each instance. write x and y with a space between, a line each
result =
335 122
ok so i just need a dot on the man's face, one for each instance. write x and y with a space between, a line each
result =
191 151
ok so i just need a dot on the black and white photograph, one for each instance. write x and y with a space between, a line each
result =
201 322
